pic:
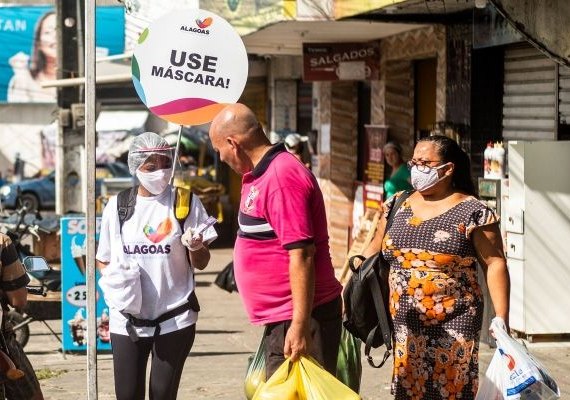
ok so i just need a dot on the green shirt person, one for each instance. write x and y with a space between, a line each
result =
399 178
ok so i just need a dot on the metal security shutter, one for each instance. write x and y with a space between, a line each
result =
564 95
529 101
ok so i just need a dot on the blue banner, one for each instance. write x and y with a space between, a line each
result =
74 290
28 54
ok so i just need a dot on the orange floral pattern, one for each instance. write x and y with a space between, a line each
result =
435 301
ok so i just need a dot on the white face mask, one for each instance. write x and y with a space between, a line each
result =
155 182
425 180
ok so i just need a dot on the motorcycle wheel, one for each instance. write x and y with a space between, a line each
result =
22 333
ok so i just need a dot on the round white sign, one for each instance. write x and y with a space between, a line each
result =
188 65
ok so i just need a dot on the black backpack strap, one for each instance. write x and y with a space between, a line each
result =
181 221
383 328
383 325
126 201
395 206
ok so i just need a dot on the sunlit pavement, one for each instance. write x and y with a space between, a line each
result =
218 360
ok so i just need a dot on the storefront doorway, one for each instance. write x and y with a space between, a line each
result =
424 96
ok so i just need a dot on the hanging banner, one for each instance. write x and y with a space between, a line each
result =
341 61
188 65
28 50
375 139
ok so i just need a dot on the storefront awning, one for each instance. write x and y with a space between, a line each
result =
287 37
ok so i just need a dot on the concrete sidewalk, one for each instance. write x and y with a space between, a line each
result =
218 360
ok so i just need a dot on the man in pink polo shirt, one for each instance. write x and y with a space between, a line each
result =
282 262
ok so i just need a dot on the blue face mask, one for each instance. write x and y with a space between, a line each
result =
424 180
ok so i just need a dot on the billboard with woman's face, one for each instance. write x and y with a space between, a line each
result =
28 55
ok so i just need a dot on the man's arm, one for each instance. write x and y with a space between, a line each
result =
17 298
302 278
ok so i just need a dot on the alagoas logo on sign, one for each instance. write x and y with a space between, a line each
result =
202 25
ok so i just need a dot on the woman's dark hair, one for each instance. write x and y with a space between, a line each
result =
449 151
38 57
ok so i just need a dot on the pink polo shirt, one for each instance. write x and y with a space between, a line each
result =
281 208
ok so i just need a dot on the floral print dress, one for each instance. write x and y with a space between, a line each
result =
435 301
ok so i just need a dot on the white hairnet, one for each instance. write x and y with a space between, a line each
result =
145 145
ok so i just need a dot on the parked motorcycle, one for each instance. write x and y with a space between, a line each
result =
21 224
38 267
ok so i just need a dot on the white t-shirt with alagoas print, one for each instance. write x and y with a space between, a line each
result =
151 238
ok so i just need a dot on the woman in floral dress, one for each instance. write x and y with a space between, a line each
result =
437 237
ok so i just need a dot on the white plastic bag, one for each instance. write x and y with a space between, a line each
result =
491 385
523 376
120 280
121 286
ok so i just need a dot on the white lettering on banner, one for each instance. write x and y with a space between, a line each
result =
79 226
13 25
344 56
373 196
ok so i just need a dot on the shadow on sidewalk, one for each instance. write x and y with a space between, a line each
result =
217 353
215 332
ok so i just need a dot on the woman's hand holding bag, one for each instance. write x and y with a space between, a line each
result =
514 373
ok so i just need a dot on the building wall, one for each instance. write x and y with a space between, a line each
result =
336 112
285 72
396 76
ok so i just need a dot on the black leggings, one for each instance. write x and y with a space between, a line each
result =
169 351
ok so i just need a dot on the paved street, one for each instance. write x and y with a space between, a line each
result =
217 363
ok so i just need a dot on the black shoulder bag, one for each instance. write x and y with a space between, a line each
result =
365 296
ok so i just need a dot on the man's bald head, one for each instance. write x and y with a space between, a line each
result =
238 121
238 137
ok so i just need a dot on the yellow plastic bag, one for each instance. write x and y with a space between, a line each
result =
303 380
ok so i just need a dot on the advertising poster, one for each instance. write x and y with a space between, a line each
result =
375 140
28 55
73 289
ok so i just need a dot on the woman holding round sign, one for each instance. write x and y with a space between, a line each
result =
147 254
187 66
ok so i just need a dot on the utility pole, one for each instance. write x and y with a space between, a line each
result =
89 197
69 178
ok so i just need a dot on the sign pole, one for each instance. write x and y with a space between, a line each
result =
176 153
89 199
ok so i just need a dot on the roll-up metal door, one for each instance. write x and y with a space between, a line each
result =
564 95
529 100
